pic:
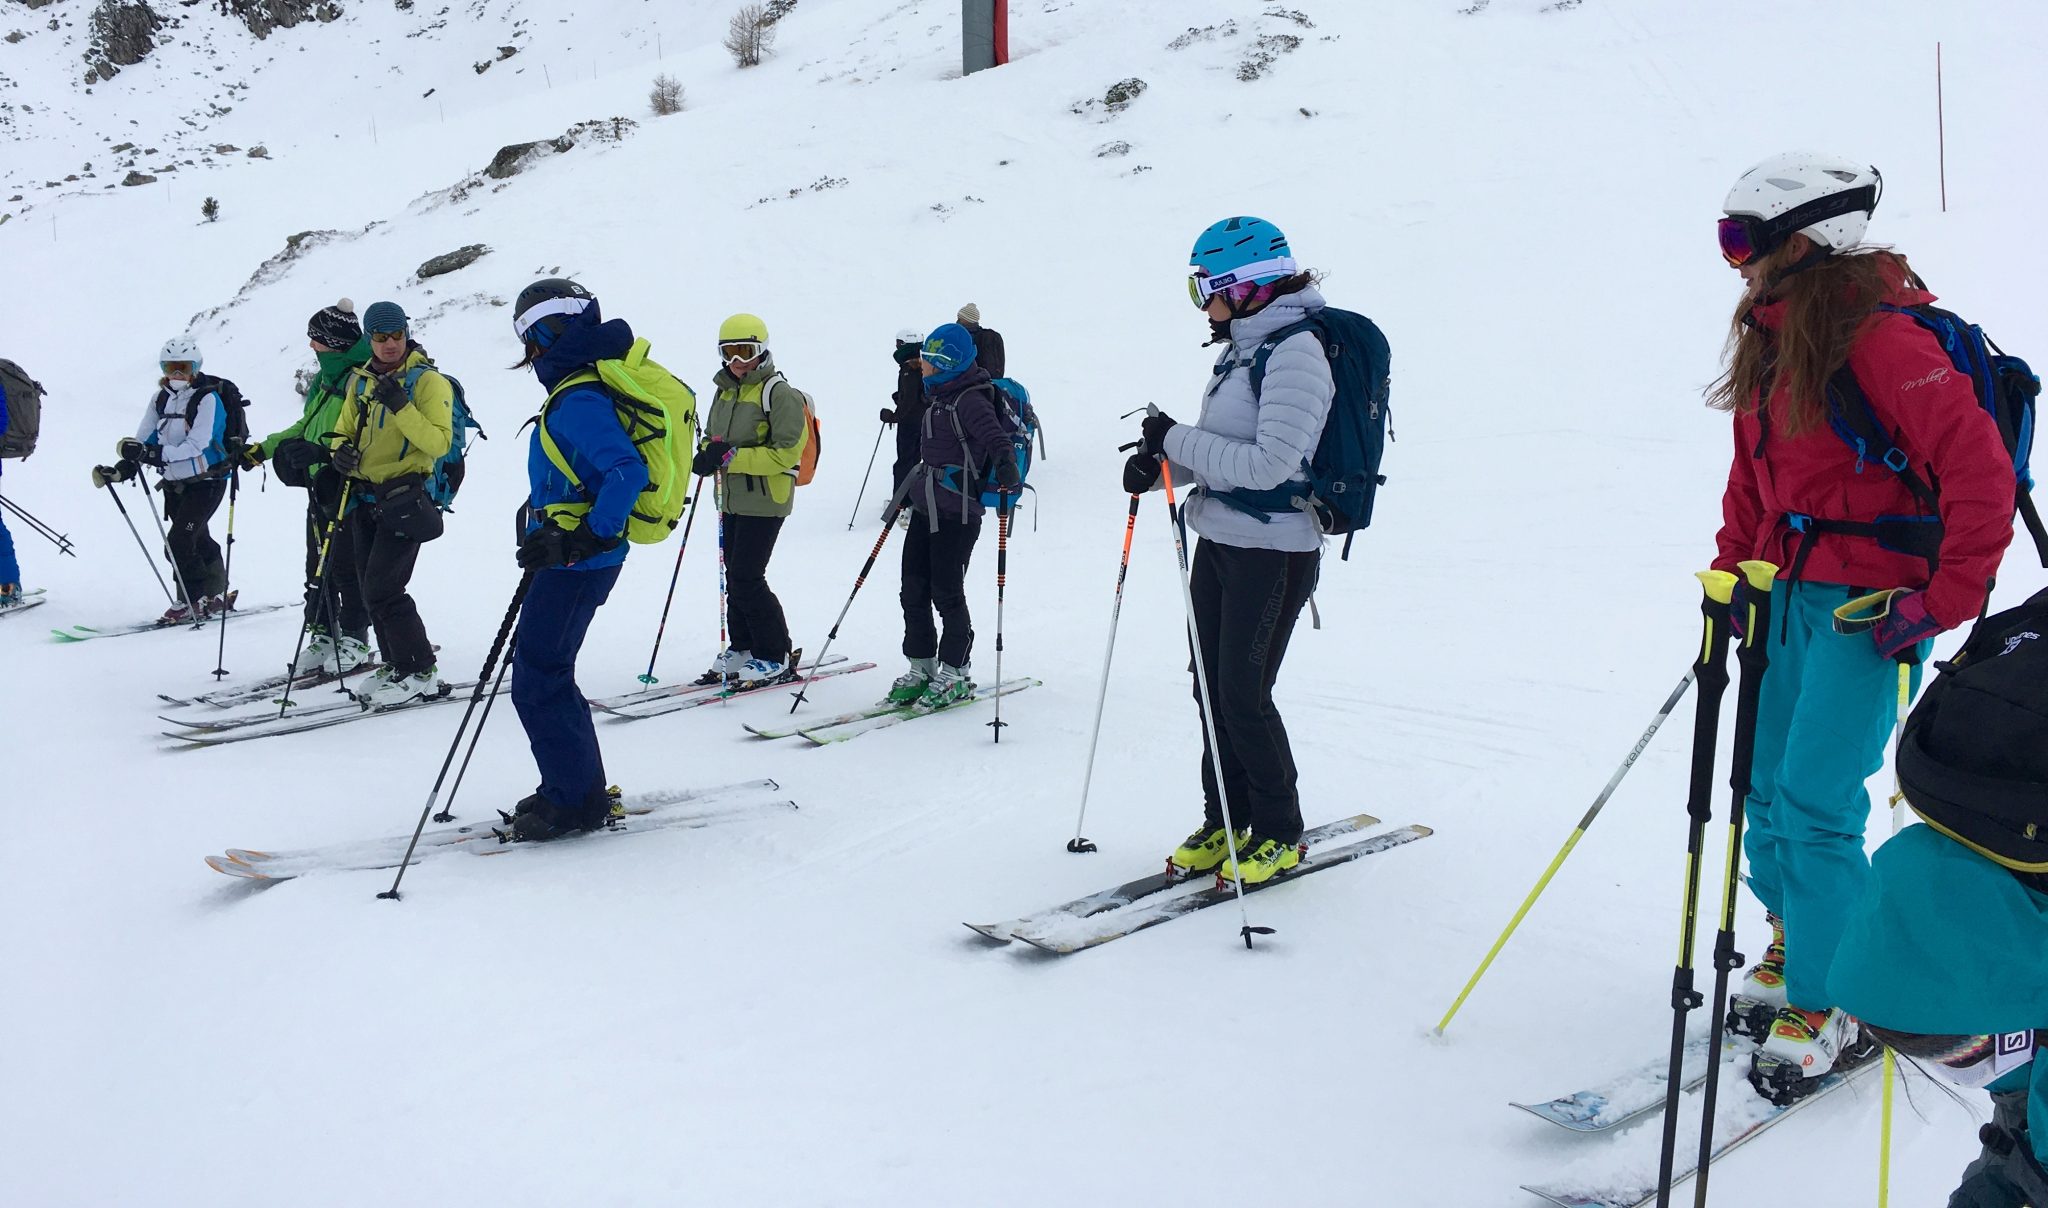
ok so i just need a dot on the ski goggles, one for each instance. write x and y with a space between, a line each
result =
1203 285
1746 237
183 369
523 323
1971 1062
742 350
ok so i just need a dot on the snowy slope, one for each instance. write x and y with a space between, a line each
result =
785 1011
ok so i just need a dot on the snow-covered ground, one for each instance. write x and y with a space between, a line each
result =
786 1010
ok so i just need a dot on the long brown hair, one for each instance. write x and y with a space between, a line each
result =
1825 309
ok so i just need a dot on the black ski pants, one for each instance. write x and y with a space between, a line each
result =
753 616
1246 604
384 565
189 506
340 609
935 579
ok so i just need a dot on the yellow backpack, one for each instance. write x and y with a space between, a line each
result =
659 414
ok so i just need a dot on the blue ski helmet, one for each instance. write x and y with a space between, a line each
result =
1238 251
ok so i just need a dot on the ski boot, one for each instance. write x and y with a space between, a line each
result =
386 689
537 819
1803 1047
180 613
724 667
910 685
326 653
949 686
1754 1006
213 606
760 672
10 595
1207 848
1260 860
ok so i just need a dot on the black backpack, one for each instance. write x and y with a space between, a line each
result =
230 397
1973 760
22 396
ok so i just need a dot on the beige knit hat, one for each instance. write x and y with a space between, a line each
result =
970 313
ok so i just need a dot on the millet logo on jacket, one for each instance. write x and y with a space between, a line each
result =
1933 379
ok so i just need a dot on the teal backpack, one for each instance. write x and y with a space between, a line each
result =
452 465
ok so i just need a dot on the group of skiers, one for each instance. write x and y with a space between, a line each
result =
1864 461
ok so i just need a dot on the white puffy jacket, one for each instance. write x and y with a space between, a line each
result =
1257 443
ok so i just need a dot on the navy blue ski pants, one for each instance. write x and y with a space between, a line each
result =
559 607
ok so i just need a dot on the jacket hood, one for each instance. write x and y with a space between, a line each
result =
1246 333
583 343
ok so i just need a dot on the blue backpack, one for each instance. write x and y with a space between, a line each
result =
1020 422
452 465
1344 471
2006 388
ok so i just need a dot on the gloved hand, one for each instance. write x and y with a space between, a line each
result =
888 415
1744 599
1141 473
1904 627
1156 427
347 458
300 455
252 456
120 471
390 393
553 545
130 450
1007 476
711 458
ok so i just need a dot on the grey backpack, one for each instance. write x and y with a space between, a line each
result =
22 396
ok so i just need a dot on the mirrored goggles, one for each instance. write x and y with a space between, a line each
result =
742 350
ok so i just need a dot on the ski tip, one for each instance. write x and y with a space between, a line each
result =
227 867
993 932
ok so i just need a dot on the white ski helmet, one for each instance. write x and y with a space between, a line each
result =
1826 198
180 348
910 336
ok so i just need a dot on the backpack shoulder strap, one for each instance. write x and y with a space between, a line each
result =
1855 421
1266 346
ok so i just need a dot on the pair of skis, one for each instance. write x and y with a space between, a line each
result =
1631 1181
1094 920
639 812
86 633
27 598
243 727
675 698
848 726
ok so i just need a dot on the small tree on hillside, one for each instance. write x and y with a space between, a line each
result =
209 210
749 35
666 96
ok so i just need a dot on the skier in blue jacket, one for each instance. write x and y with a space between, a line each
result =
573 545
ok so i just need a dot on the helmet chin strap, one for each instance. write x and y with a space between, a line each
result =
1815 256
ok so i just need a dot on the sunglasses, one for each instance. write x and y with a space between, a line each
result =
744 350
387 337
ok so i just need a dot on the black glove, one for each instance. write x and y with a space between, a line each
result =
711 458
120 471
1141 472
1156 427
300 455
252 456
348 459
390 393
888 415
1007 476
553 545
134 452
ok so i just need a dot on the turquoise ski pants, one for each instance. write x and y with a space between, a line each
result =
1827 710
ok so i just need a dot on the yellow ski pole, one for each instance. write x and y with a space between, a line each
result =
1543 882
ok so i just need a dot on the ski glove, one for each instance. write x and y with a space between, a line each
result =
553 545
888 415
390 392
348 459
1141 473
1007 477
118 472
1744 599
252 456
300 455
1156 428
711 458
1904 627
131 450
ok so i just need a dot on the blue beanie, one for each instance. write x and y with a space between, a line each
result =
384 318
950 350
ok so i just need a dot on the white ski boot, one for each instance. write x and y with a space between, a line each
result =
1754 1006
1803 1047
384 689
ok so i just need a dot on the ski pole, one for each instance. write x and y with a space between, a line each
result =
724 601
1543 882
483 685
662 628
1712 673
1123 568
1754 657
227 573
1187 592
888 524
163 534
447 812
60 540
864 478
142 545
1002 577
320 573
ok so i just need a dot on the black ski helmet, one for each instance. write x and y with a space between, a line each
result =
544 309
